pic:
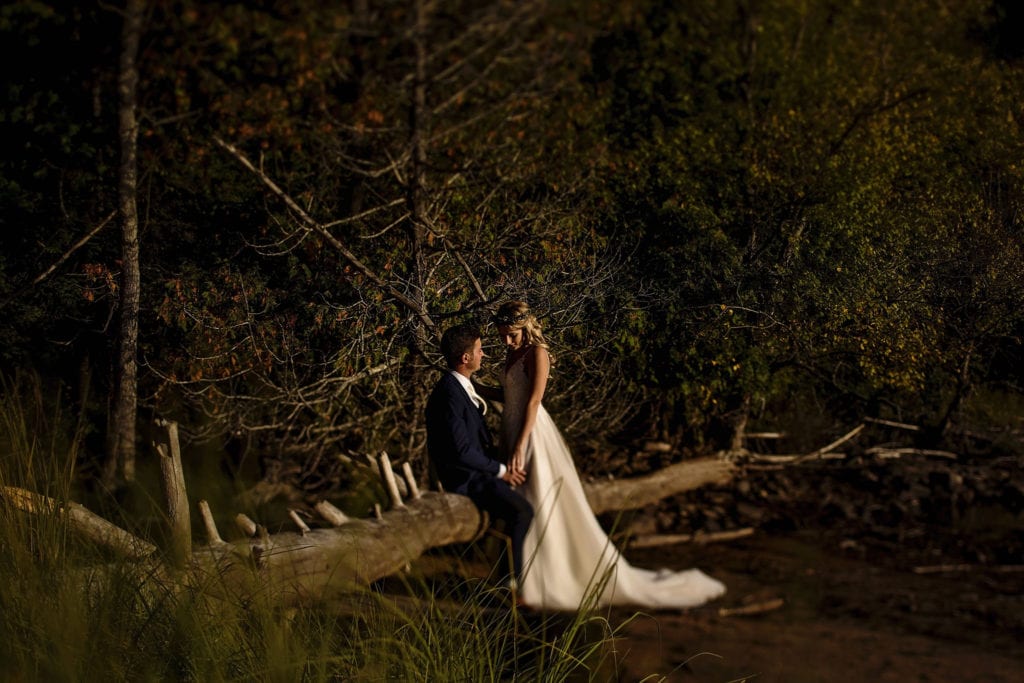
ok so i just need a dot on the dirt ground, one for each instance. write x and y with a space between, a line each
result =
835 549
844 618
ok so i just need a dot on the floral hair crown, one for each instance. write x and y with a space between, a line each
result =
509 319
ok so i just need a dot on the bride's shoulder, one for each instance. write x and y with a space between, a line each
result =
537 355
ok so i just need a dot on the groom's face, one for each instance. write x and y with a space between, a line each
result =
475 358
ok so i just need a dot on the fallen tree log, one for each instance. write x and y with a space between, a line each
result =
324 563
628 494
321 563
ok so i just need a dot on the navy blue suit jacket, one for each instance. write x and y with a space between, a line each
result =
458 441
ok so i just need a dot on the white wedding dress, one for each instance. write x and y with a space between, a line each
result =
569 561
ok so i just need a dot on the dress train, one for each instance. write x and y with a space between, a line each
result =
570 561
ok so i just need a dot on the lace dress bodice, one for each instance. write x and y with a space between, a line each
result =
516 384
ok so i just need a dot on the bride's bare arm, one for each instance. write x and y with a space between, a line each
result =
538 365
489 392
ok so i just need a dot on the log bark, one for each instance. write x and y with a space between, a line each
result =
325 563
121 437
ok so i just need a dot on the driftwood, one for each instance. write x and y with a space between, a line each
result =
245 525
960 568
319 563
843 439
891 423
90 525
754 608
331 514
700 538
771 459
324 563
628 494
889 453
212 534
827 452
172 479
823 453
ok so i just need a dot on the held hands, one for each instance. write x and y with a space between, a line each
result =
514 477
516 472
517 461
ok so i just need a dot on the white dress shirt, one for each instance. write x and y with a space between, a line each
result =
468 386
480 402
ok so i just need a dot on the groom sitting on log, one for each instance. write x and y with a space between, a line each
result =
462 450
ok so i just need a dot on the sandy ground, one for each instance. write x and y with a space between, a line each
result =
842 620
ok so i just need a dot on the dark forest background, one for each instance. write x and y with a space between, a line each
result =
730 215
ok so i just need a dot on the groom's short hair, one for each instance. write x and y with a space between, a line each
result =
457 341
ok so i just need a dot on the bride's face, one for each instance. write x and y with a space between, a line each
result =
513 339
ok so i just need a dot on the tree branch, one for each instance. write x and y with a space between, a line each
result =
312 224
92 526
75 247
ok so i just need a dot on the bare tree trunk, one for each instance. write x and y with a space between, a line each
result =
739 424
963 389
416 196
121 430
417 131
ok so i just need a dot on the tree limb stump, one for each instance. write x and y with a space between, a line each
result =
172 479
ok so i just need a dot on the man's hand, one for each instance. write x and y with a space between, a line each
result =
514 477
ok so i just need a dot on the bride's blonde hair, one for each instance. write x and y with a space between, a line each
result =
517 316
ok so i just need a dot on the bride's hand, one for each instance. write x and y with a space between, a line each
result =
518 461
514 477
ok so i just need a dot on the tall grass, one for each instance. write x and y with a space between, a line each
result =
68 613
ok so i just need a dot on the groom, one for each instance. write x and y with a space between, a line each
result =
462 451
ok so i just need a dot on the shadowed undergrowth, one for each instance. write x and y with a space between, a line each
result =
71 614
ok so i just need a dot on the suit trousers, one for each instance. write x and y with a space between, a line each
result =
503 503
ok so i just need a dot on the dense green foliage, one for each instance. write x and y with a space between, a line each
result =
823 189
721 209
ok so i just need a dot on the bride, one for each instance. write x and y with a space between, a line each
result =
571 563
